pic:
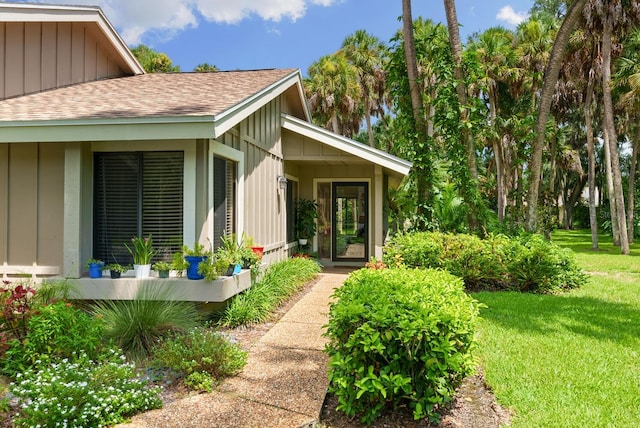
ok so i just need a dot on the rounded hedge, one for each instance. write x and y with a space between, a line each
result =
399 337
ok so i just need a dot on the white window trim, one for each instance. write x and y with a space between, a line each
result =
77 207
220 150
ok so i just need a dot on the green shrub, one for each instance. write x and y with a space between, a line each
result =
526 263
204 357
137 325
81 392
56 331
280 281
399 337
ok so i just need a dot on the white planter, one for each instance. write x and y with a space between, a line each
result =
302 241
142 271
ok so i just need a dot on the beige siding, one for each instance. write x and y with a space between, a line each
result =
258 137
37 56
31 225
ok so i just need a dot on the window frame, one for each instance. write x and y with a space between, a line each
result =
217 149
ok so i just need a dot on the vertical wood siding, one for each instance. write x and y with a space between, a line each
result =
31 223
258 137
37 56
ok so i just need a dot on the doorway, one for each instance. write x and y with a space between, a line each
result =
350 221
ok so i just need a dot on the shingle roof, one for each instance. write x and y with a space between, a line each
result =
147 95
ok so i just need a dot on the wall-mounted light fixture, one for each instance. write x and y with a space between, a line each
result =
282 182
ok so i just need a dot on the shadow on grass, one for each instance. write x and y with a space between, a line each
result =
544 314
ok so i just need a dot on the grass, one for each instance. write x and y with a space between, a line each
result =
280 281
569 360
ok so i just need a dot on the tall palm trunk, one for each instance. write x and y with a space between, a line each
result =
461 91
420 169
613 213
548 88
610 128
632 182
588 121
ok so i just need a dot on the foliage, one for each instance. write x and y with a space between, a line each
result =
93 261
399 337
526 263
55 331
152 61
198 250
205 67
81 392
136 325
161 266
306 214
117 267
203 357
141 250
16 300
280 281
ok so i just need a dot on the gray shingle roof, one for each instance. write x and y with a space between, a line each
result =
147 95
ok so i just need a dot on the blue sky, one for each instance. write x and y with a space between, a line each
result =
253 34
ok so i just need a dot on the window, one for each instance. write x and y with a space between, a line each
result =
224 199
137 194
292 198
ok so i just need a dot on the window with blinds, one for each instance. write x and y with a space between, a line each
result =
224 199
137 194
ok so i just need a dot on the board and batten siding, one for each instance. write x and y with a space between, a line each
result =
258 137
32 221
35 56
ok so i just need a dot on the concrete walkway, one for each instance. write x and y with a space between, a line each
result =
283 384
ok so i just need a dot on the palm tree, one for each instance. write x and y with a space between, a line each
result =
465 113
494 49
367 54
549 83
332 91
420 169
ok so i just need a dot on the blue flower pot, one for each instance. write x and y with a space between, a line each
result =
194 264
95 270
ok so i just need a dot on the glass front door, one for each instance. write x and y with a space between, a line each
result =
350 221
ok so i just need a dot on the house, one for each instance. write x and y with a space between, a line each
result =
94 151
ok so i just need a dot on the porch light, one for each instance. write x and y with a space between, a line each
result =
282 182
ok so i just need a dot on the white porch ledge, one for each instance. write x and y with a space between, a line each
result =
182 289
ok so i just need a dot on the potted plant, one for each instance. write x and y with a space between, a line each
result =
142 251
95 268
306 214
207 269
178 263
116 270
257 249
162 268
193 257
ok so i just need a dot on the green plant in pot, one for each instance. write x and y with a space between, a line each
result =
306 214
95 267
116 269
193 257
162 268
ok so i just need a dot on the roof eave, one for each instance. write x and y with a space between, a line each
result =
339 142
22 12
232 116
115 129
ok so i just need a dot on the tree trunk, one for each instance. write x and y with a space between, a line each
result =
613 141
420 169
461 91
588 120
632 182
610 192
548 88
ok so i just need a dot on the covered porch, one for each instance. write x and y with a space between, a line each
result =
349 181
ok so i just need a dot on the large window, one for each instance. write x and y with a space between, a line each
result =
292 198
137 194
224 199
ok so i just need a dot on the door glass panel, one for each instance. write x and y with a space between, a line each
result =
324 220
350 219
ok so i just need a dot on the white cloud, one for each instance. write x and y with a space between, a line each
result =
137 19
511 16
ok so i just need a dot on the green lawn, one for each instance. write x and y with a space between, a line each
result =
569 360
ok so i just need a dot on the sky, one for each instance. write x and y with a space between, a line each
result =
258 34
